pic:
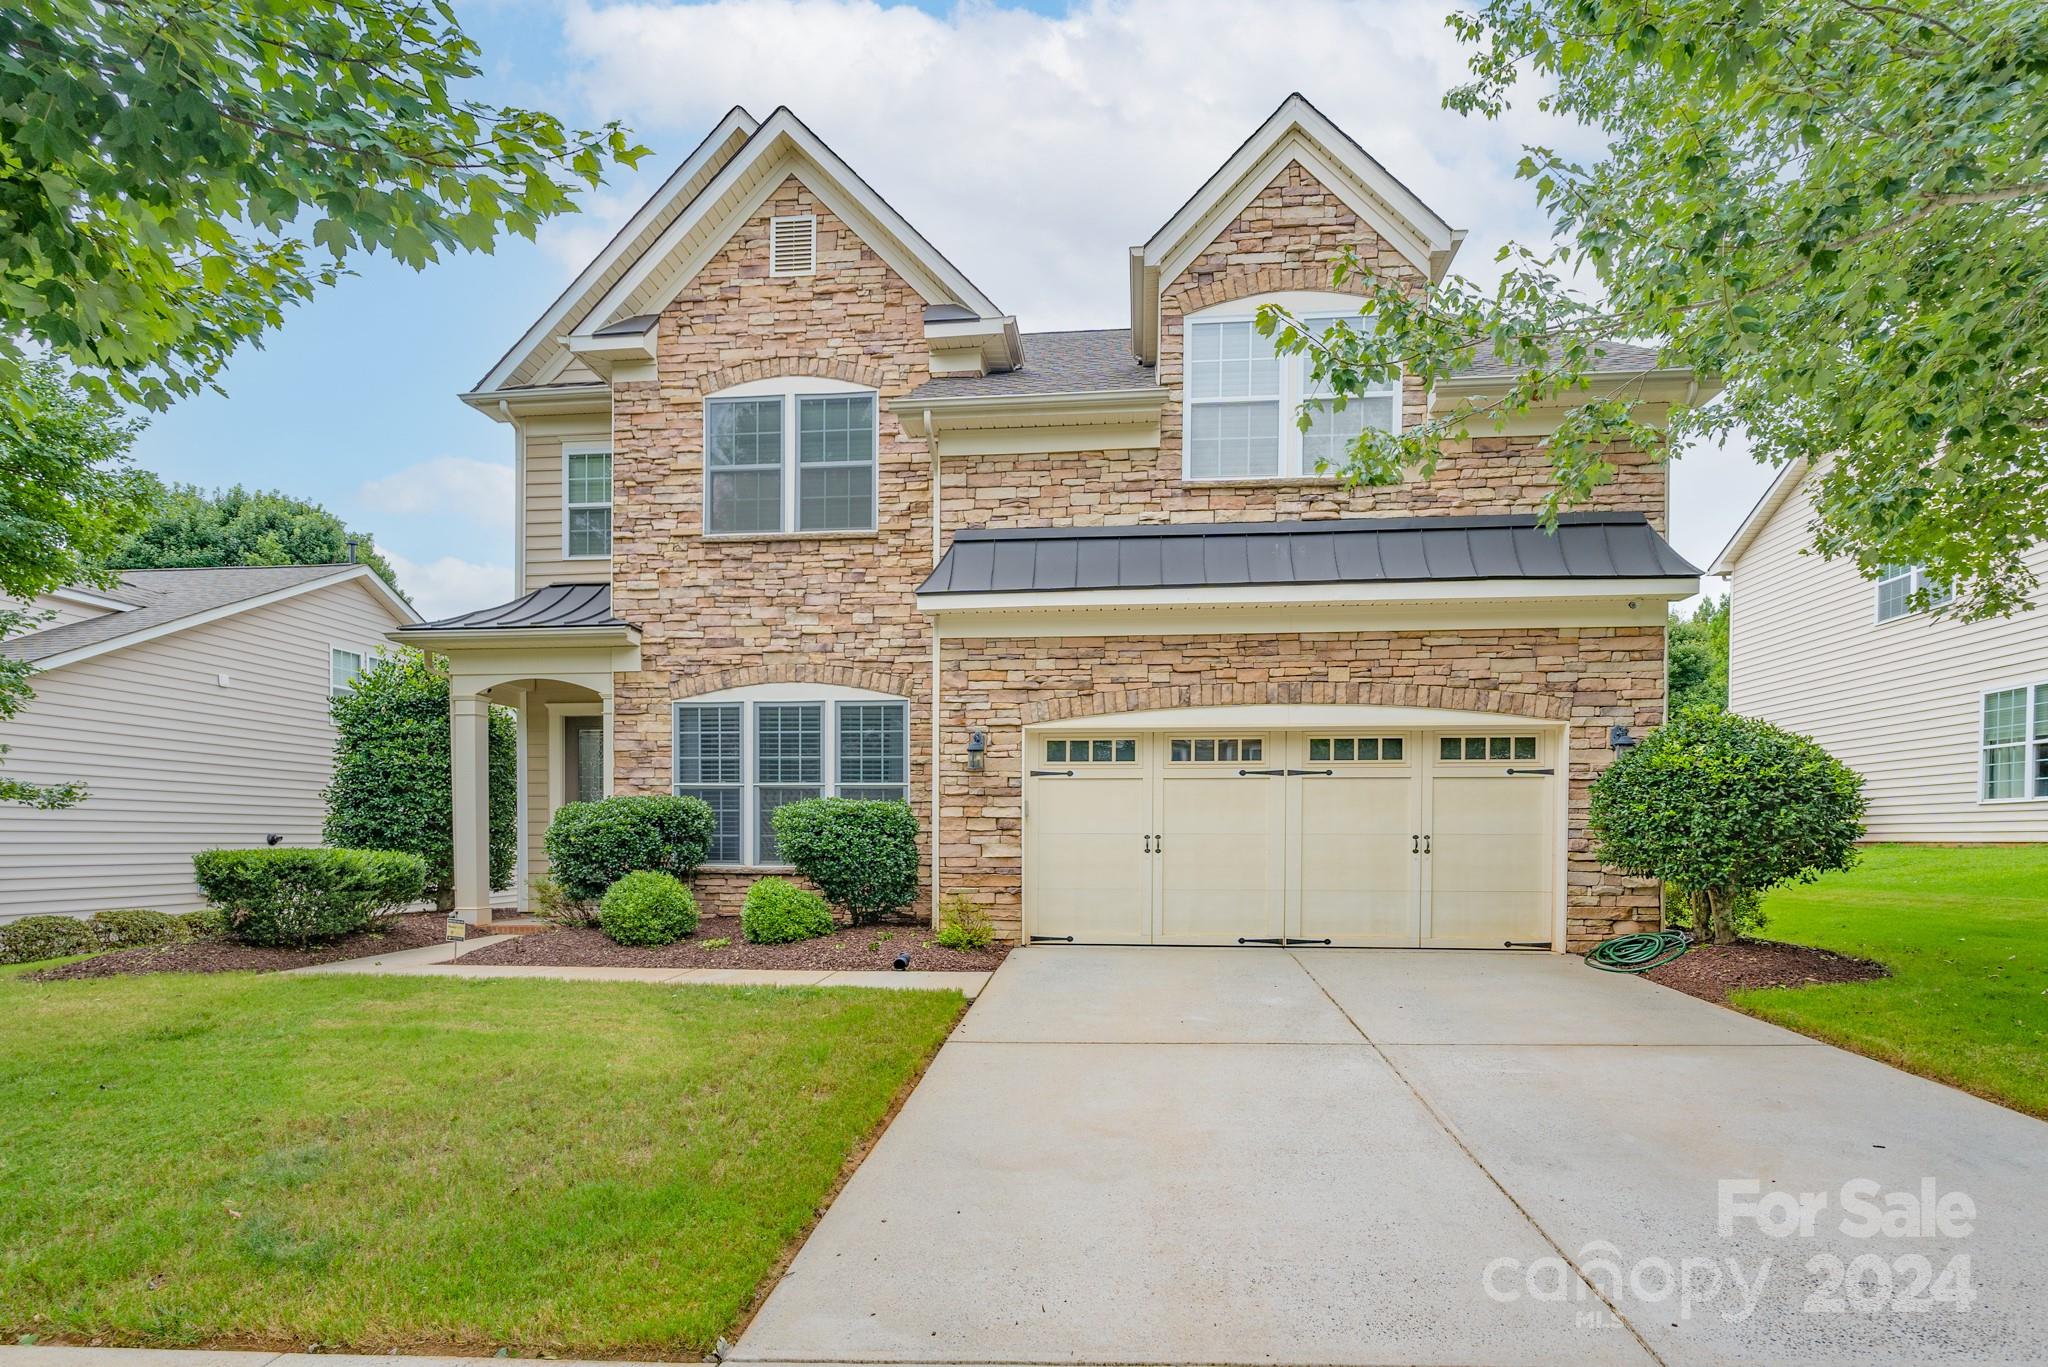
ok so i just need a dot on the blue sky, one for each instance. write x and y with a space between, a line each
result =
1032 143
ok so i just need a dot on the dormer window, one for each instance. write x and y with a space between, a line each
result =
1241 400
793 245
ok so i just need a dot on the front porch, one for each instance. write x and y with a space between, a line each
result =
549 656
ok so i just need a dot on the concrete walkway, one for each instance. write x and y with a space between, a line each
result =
441 961
53 1356
1376 1157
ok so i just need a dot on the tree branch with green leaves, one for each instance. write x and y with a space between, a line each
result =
1838 211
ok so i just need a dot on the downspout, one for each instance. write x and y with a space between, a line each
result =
931 441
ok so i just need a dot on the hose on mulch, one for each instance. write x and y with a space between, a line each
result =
1638 953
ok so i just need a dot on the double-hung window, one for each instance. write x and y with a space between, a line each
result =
1243 401
586 502
342 668
2015 743
748 757
1896 585
791 455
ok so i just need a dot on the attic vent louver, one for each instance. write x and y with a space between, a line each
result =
793 245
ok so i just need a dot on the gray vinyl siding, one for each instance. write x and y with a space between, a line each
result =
175 760
1900 702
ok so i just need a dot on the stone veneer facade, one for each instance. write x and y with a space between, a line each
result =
718 613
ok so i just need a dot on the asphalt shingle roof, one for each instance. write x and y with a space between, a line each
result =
1101 361
1326 551
163 596
554 605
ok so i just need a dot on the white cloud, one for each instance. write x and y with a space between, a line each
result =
445 586
1034 150
477 491
575 240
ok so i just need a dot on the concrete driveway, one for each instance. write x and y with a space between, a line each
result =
1360 1156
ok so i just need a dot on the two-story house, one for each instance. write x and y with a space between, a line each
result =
803 511
1946 720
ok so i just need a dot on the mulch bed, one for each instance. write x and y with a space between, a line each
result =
221 956
847 948
1711 972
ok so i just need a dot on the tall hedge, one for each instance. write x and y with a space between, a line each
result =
391 775
1724 807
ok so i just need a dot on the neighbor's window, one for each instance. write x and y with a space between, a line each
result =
587 502
2016 743
789 456
1896 585
1486 747
1242 402
748 758
342 668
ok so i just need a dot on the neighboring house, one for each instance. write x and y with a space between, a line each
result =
802 511
1947 721
194 706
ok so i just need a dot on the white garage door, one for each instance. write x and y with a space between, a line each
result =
1393 838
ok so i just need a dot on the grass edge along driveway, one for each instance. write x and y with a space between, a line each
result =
1964 930
391 1163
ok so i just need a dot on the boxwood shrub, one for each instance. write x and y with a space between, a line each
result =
778 912
647 907
591 845
33 938
862 855
292 898
129 927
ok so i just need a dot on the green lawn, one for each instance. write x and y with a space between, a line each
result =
384 1163
1965 934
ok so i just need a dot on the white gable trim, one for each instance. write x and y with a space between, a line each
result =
784 138
1760 516
737 122
399 609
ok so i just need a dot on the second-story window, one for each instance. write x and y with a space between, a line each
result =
1242 400
1897 585
795 455
586 502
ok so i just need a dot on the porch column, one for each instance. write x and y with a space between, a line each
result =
469 719
609 763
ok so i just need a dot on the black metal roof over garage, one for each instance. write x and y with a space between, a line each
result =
1330 551
553 607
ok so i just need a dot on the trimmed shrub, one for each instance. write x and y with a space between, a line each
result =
207 923
128 927
862 855
391 772
962 924
778 912
1722 807
592 845
647 907
290 898
33 938
553 904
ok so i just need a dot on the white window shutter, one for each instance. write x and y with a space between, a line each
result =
793 245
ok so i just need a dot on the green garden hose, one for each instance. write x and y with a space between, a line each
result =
1637 953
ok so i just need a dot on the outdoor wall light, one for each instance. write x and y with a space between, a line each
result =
1618 737
977 749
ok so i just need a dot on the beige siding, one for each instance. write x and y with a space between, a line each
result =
1899 701
546 560
177 760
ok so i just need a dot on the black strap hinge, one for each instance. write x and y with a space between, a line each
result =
1531 771
1052 773
1052 939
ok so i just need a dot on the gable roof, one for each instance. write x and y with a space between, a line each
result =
538 356
783 145
1760 516
178 599
1296 131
